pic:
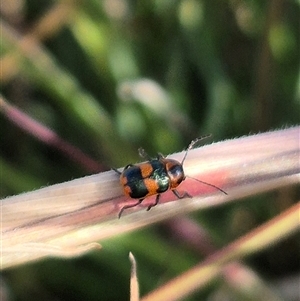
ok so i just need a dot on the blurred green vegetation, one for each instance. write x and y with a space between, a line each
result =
111 76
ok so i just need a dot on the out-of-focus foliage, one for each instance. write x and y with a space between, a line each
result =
110 76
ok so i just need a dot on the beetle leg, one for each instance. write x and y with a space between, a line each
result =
143 154
120 172
116 170
127 166
160 156
181 196
155 203
129 206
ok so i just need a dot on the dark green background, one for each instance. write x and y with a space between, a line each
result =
230 67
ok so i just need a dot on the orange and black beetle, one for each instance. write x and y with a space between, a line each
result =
154 177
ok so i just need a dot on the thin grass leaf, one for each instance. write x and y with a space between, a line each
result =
269 233
71 214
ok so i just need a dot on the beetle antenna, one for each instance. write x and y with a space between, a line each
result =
193 142
211 185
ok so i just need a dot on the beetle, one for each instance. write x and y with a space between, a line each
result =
154 177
